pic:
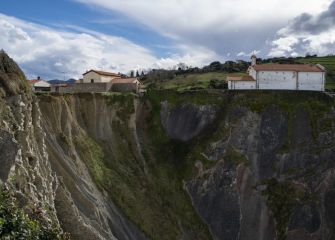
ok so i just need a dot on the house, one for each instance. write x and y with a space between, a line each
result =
95 76
100 82
125 85
241 82
308 77
39 85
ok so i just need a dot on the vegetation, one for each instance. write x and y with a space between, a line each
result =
189 78
16 224
12 79
146 185
183 77
191 81
282 198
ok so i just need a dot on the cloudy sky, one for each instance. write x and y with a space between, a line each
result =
60 38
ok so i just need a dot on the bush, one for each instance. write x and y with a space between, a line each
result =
16 224
218 84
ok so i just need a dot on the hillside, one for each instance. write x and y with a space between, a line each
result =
195 78
193 81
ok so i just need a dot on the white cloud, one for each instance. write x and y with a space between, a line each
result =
298 44
244 54
283 46
199 14
220 25
50 52
307 34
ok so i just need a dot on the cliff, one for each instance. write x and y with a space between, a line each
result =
169 165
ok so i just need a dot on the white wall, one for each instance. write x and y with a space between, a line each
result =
106 78
241 85
253 73
42 84
91 75
277 80
313 81
96 77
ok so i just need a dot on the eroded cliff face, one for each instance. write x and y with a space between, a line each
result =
194 165
272 171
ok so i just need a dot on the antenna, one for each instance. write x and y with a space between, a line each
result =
64 75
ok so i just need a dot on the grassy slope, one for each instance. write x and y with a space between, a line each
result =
328 62
199 80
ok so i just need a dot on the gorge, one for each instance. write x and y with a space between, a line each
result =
170 165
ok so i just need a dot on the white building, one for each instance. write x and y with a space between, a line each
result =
94 76
308 77
39 85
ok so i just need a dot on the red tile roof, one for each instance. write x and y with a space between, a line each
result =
33 81
124 80
240 78
289 67
104 73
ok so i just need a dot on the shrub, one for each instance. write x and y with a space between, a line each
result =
218 84
16 224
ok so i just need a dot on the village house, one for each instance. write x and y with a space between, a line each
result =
308 77
100 81
39 85
95 76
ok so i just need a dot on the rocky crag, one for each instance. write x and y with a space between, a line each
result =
169 165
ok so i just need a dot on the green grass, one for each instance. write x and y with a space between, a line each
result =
16 224
189 81
282 197
327 62
175 97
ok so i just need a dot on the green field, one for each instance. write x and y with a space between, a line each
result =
193 81
327 62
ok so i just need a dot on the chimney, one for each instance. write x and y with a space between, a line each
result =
253 60
38 78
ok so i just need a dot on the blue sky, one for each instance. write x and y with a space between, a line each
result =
49 38
60 13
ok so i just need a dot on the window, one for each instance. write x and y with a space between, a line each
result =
92 80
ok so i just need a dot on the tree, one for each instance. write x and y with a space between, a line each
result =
181 66
215 66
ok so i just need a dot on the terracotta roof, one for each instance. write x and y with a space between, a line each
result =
240 78
289 67
60 85
104 73
124 80
33 81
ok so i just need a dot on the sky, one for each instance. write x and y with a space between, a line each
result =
64 38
